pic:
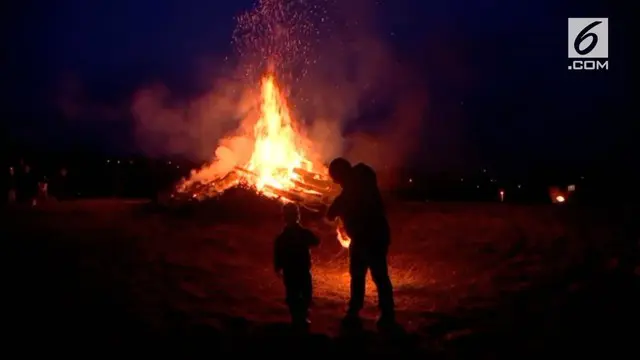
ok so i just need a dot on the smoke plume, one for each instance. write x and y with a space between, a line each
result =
190 128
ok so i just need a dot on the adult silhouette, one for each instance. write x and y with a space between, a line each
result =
362 211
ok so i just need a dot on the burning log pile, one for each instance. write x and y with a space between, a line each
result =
310 190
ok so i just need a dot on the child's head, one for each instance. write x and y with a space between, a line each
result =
291 213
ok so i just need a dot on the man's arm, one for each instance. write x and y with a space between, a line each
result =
312 239
336 208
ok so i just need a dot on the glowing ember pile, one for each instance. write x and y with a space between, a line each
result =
279 166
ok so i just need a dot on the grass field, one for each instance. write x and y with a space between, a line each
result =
482 280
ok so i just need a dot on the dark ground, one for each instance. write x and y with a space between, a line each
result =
471 281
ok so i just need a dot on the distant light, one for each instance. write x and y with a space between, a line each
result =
461 179
501 195
484 170
130 161
410 180
581 177
118 161
477 186
519 186
501 192
177 166
169 162
108 161
560 198
493 180
571 188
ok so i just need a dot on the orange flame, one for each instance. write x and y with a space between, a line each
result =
279 166
276 151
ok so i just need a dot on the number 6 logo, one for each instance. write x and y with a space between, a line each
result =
584 35
588 38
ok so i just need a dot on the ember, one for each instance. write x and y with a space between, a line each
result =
279 166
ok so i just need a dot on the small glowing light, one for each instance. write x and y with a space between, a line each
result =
519 186
130 161
118 161
501 192
571 188
461 179
501 195
477 186
169 162
484 170
560 198
410 180
108 161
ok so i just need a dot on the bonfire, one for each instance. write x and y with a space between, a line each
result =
280 166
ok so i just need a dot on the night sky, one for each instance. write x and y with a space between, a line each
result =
496 75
